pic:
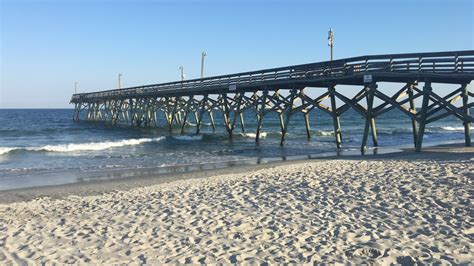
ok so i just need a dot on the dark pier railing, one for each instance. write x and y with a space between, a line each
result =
261 90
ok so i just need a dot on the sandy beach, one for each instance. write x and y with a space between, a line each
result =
395 208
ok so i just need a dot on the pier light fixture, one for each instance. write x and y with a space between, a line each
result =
120 80
181 69
331 40
75 87
203 54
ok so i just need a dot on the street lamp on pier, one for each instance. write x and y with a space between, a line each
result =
182 75
120 80
331 40
203 54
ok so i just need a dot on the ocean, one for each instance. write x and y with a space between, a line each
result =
40 147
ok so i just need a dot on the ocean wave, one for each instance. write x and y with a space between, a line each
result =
430 129
23 169
90 146
4 150
195 125
453 128
402 131
324 133
397 131
188 137
254 135
441 129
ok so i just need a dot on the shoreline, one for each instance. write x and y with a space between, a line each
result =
154 176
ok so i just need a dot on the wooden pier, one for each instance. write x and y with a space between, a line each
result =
285 91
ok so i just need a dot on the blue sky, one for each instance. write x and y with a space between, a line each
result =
48 45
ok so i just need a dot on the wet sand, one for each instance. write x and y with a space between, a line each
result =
394 208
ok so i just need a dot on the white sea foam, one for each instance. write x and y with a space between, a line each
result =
195 125
453 128
4 150
188 137
325 133
254 135
23 169
90 146
96 146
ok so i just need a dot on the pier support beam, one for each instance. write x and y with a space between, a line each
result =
170 111
282 123
424 109
132 112
155 118
414 124
374 132
242 124
369 119
226 114
77 111
188 106
106 112
306 121
289 113
305 112
177 118
467 124
238 104
211 117
335 116
201 113
260 114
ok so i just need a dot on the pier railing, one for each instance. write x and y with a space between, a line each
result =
417 64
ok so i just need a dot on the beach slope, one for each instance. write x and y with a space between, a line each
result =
403 208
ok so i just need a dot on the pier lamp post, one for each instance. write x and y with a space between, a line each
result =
203 54
181 68
120 80
75 87
331 40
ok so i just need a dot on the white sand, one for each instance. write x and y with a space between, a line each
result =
385 211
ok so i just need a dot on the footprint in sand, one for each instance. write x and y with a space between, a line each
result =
367 252
406 260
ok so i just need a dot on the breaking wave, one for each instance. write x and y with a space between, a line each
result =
254 135
188 137
4 150
91 146
453 128
324 133
429 129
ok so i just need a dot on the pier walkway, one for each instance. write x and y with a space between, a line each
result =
285 90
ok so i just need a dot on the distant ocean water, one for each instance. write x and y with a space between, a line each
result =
39 145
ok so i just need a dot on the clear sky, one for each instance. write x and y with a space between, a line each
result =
48 45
